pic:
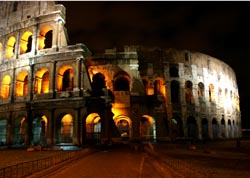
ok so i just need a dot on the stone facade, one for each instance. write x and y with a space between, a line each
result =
54 93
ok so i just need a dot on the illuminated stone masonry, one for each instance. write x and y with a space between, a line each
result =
52 93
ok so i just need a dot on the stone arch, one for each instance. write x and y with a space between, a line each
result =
177 125
215 128
45 38
39 130
93 128
3 132
22 84
160 86
223 128
229 129
5 86
41 84
211 93
204 126
174 71
64 130
20 131
26 42
122 81
189 92
175 91
147 128
10 47
201 89
124 125
65 78
192 127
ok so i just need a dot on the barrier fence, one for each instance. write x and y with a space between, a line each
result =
27 168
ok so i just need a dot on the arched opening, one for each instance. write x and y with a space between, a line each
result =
147 128
26 42
121 81
65 78
201 91
204 125
41 81
192 127
230 130
3 127
215 128
20 131
160 87
45 38
211 93
223 130
93 128
177 126
123 123
5 87
39 130
175 86
65 129
189 92
22 84
10 47
174 71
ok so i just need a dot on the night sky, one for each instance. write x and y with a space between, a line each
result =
219 29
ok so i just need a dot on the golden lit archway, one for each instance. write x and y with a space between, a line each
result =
45 38
26 42
20 130
39 129
65 78
41 81
124 125
22 84
93 127
10 47
5 87
66 129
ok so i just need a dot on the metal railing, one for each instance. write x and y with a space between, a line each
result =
27 168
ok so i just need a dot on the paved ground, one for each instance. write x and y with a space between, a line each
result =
213 160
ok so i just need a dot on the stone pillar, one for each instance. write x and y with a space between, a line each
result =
76 127
50 128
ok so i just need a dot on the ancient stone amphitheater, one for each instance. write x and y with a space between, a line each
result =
53 93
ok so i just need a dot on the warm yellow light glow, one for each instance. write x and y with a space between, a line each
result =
5 87
41 39
60 78
10 47
42 81
22 84
93 118
24 42
67 119
160 86
149 118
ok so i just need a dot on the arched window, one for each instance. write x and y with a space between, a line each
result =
201 90
39 129
211 93
5 87
65 132
93 127
175 87
65 78
41 81
10 47
26 42
121 81
173 71
45 38
22 84
20 130
189 92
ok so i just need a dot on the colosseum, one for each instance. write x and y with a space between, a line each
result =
53 93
